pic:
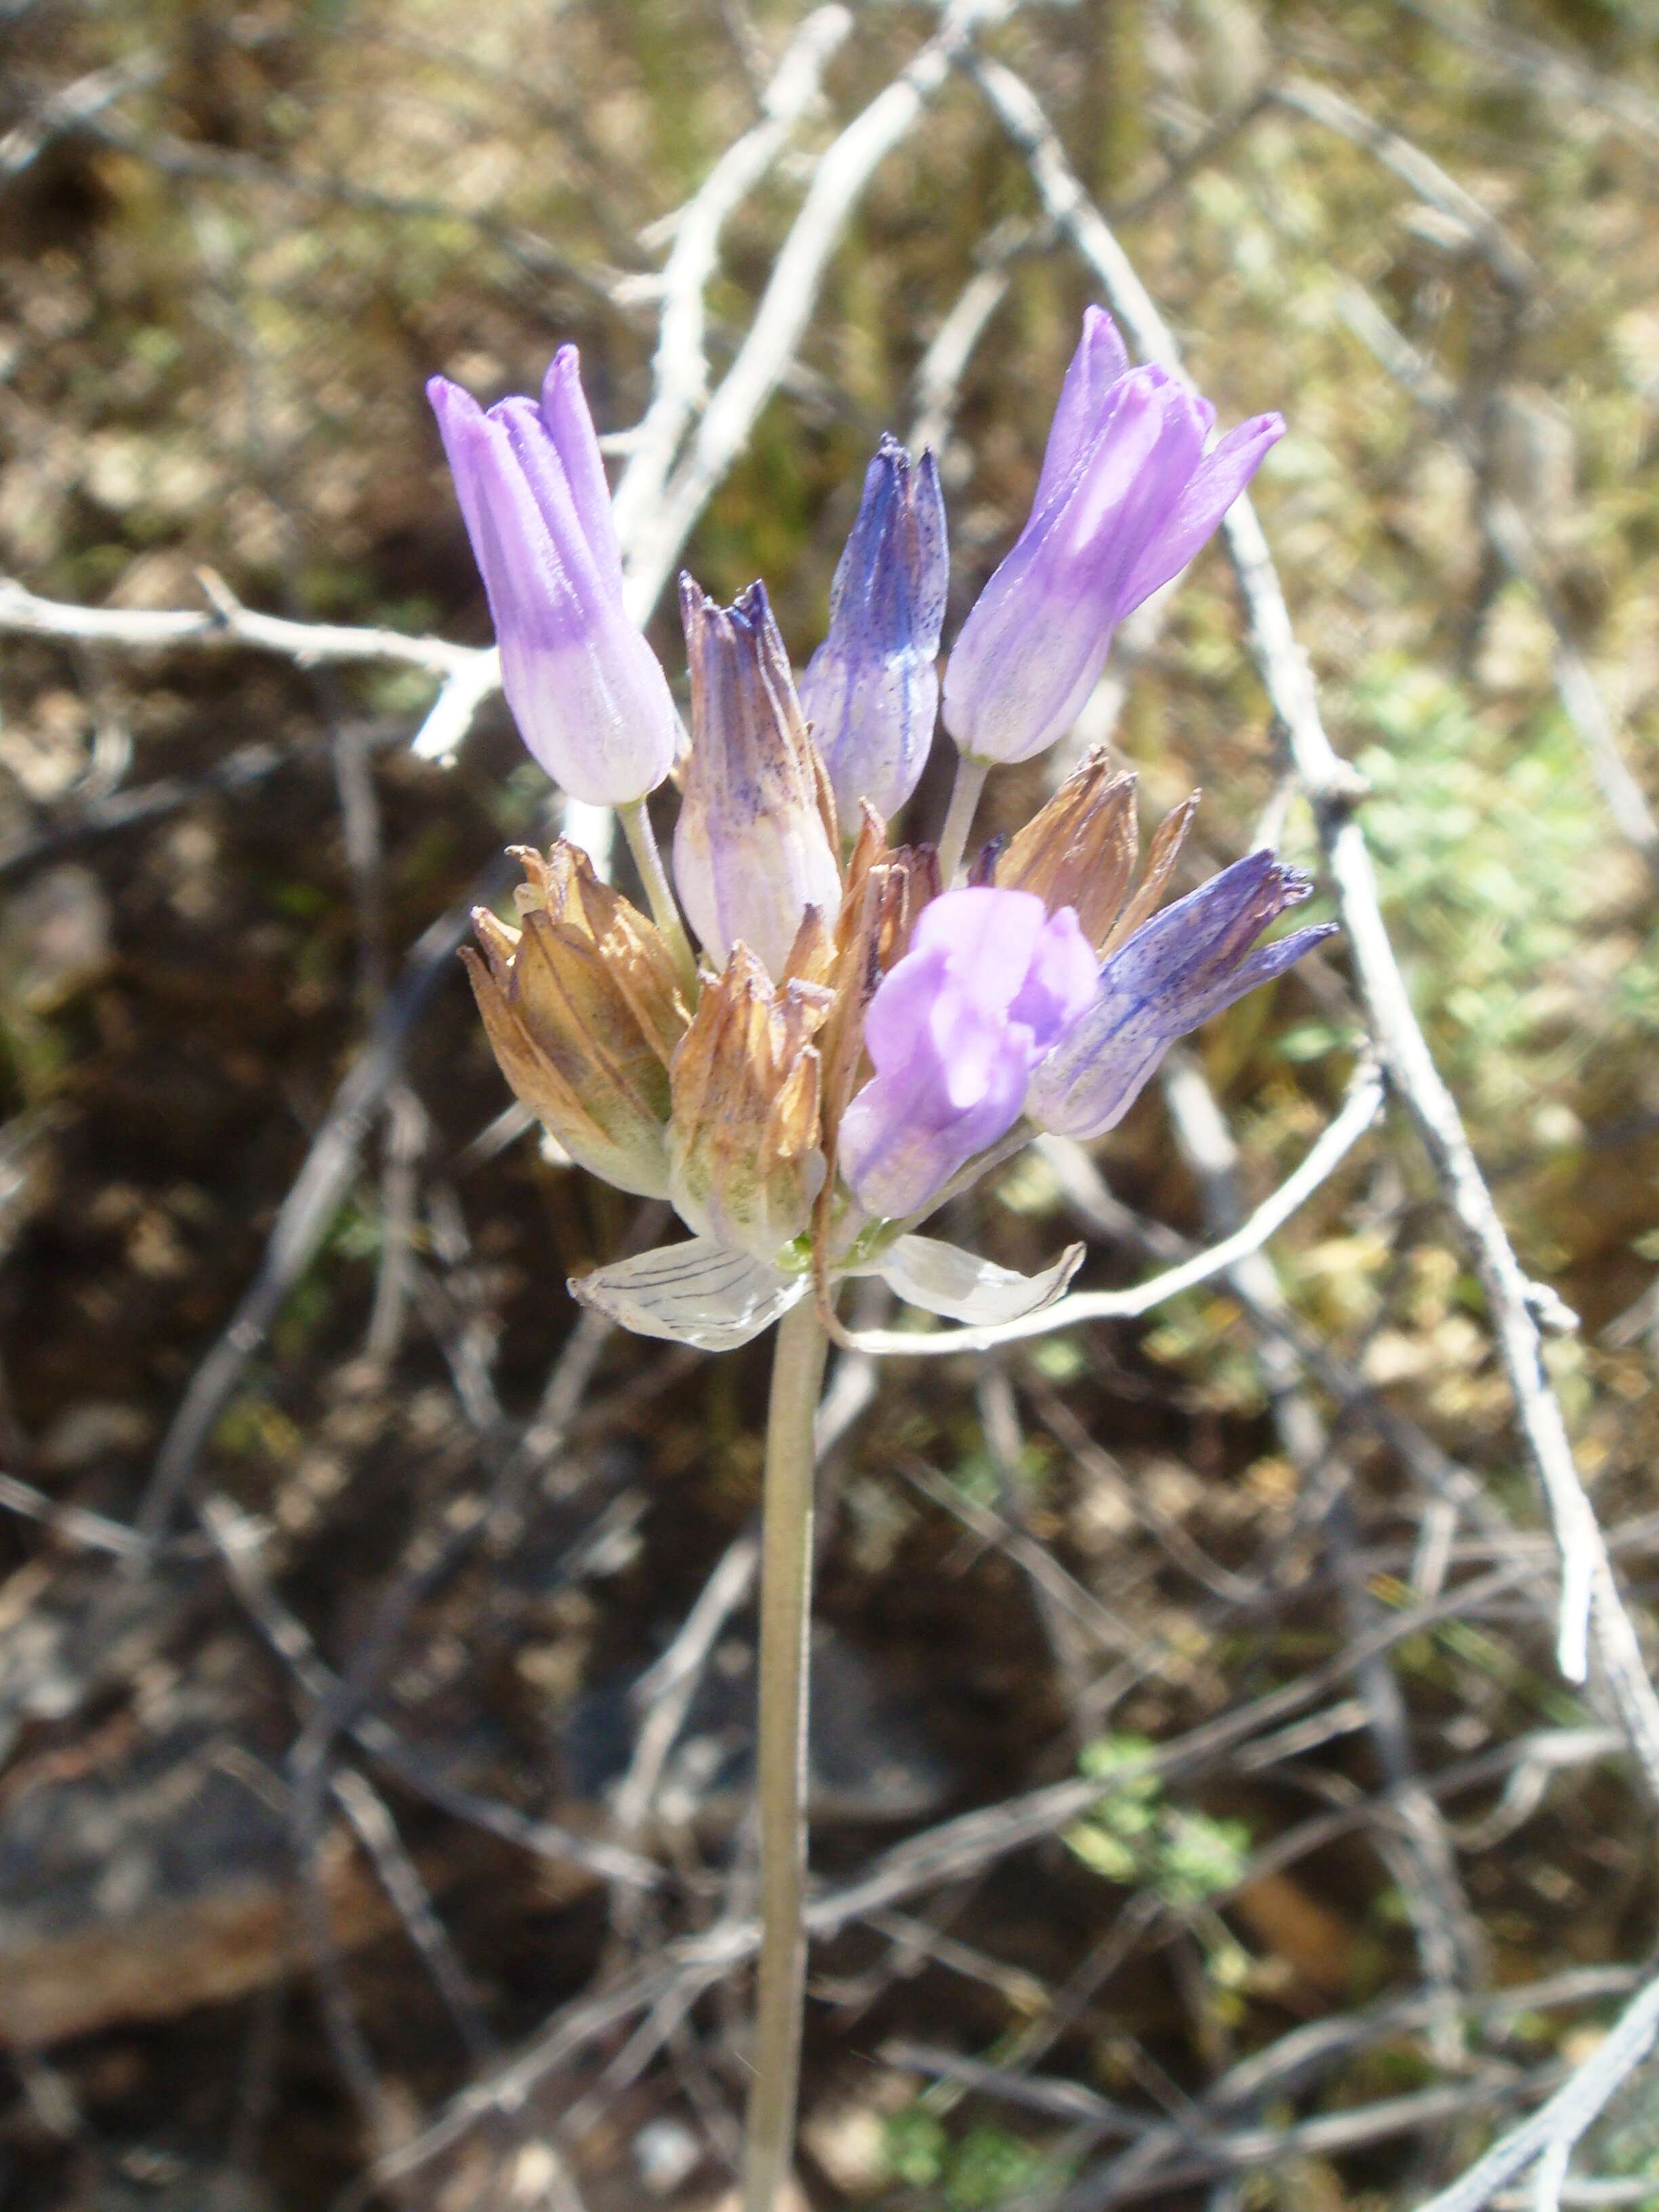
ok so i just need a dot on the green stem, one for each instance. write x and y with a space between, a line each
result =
642 844
798 1357
959 820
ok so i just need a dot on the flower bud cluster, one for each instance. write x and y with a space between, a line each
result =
860 1038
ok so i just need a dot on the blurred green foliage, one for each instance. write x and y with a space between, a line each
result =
1134 1835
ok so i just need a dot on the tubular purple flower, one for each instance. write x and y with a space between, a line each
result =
870 690
1184 965
588 694
1127 496
755 845
955 1029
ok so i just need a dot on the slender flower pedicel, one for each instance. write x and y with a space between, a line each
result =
588 694
757 841
1127 496
860 1040
870 690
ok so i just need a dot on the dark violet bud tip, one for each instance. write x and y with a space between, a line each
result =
870 690
1191 961
983 868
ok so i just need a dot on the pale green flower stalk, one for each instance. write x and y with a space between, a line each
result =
858 1041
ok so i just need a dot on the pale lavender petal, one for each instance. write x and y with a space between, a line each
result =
1100 358
541 467
955 1029
901 1009
1126 497
1034 644
1219 478
1120 498
565 412
1261 967
1116 1071
896 1157
990 934
1060 983
588 694
465 441
1181 952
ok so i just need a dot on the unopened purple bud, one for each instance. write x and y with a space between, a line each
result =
1184 965
1127 496
991 982
588 694
870 690
755 845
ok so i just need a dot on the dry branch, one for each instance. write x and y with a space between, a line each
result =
1588 1589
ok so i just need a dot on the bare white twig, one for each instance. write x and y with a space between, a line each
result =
959 1847
1447 1932
1414 169
225 622
679 367
75 104
936 389
1506 531
1552 2130
786 303
467 674
453 712
1587 1578
1543 68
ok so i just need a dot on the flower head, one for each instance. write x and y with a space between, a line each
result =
990 983
859 1039
756 843
1127 496
870 690
1186 963
583 1010
588 694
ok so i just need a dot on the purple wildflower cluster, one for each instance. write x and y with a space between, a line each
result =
861 1034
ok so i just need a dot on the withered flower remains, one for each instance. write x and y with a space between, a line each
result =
583 1008
860 1038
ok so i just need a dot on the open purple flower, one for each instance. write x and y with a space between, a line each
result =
870 690
955 1029
1127 496
588 694
1188 963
